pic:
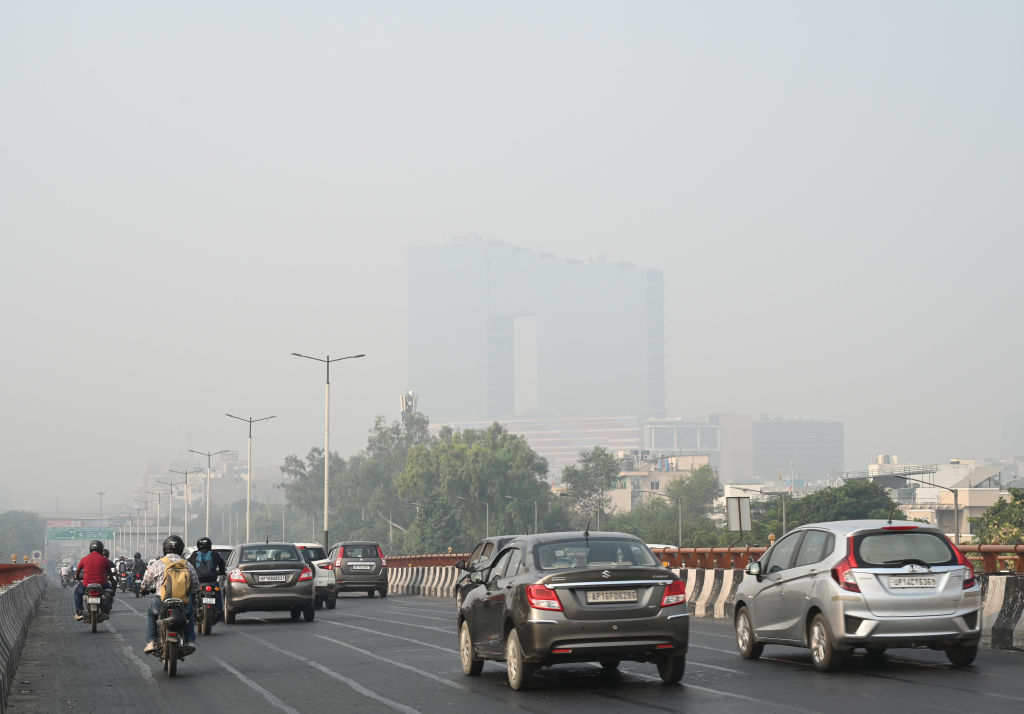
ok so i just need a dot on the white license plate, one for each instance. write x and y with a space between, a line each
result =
911 581
611 595
362 566
209 601
273 578
93 600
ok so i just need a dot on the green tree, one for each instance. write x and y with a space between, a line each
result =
1003 522
698 492
303 482
587 483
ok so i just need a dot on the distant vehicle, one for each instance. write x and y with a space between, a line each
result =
268 576
874 585
556 598
324 588
360 565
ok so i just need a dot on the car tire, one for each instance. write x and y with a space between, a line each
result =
520 672
471 664
961 655
296 613
229 616
383 592
319 603
332 603
746 643
371 592
824 656
309 613
609 665
671 668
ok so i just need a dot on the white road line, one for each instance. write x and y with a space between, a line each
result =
387 634
254 686
715 649
147 672
719 692
416 670
397 706
446 630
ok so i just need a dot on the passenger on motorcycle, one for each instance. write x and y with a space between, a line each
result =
209 566
153 581
138 565
122 566
93 568
65 571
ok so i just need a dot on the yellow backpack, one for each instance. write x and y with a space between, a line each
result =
177 580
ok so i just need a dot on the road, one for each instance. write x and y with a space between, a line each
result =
399 655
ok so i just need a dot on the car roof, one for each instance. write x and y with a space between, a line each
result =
355 542
536 538
856 526
309 545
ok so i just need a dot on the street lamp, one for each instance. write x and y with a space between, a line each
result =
135 528
527 500
100 494
956 499
170 502
186 473
780 494
487 514
327 430
145 523
248 475
156 531
679 500
208 456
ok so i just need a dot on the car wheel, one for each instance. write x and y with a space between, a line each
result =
319 603
962 655
309 613
824 655
229 616
471 664
671 668
609 664
370 592
296 613
332 603
383 592
748 646
520 672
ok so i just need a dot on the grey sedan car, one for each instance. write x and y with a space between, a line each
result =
834 587
268 576
567 597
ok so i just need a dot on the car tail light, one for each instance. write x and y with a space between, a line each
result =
541 597
675 594
326 566
236 576
962 559
843 573
380 554
561 650
341 554
307 574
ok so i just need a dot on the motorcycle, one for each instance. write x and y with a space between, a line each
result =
64 581
207 614
122 582
97 604
137 584
170 625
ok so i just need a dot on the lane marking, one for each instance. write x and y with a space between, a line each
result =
421 672
255 687
719 692
446 630
147 671
388 634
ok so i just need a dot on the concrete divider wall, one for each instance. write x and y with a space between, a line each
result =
18 603
1002 611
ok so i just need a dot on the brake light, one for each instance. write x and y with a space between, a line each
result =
675 594
236 576
843 573
341 554
94 593
541 597
307 574
962 559
899 528
208 588
326 566
380 554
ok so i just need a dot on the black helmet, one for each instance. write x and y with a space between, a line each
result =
96 545
174 544
138 556
204 543
106 553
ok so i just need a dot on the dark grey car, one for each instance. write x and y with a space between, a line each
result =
268 576
574 597
360 566
479 559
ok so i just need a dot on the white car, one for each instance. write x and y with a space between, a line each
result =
324 588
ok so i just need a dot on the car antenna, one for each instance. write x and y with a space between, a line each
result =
586 533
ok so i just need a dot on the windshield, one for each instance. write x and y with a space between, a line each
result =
593 553
261 553
897 548
314 553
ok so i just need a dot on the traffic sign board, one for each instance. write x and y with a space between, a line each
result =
88 533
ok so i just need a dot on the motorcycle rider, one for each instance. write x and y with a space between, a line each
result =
138 569
209 565
93 568
153 580
65 573
122 569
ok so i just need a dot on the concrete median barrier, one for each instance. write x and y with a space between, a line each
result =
18 603
1002 611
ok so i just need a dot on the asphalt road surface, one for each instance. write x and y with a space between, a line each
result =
400 655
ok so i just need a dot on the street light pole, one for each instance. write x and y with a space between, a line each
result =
527 500
209 455
135 527
170 502
186 473
145 523
248 475
327 430
100 494
487 514
156 530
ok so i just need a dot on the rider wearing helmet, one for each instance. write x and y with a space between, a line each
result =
93 568
153 580
209 565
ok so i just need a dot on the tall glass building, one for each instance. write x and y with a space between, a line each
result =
498 332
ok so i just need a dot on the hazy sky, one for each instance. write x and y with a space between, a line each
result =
189 192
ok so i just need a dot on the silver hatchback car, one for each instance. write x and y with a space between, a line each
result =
834 587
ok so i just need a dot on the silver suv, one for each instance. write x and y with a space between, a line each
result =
834 587
360 565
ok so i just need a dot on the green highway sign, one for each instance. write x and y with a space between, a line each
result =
89 533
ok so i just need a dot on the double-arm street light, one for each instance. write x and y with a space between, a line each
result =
248 475
170 502
679 518
487 514
135 528
327 430
527 500
145 524
956 499
156 530
209 455
100 494
186 473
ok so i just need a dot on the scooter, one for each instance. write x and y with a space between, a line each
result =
170 626
97 604
207 614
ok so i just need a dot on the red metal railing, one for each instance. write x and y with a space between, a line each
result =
13 573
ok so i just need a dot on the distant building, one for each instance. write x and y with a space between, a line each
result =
642 473
726 439
497 332
797 450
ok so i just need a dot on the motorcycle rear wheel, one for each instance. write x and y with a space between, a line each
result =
172 658
207 627
93 618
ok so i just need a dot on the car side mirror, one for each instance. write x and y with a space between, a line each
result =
755 570
460 564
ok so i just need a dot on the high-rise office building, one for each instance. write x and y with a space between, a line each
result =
497 332
797 449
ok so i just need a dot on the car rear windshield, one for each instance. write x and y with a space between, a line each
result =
261 553
315 553
593 553
897 548
360 551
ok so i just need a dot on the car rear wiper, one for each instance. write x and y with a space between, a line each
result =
907 561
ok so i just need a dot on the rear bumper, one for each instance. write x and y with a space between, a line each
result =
361 582
251 599
940 631
327 590
591 641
